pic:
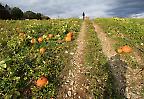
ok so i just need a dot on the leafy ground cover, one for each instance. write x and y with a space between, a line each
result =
24 57
96 62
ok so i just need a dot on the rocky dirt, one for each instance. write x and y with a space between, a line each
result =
75 83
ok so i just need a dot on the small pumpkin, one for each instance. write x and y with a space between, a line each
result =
50 35
70 34
40 39
68 38
119 50
126 49
42 81
33 40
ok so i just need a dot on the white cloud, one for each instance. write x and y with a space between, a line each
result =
70 8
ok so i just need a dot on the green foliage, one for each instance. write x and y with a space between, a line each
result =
16 13
21 63
95 60
30 15
39 16
4 12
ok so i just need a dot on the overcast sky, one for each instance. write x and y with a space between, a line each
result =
74 8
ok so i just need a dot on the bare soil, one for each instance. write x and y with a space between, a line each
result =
75 84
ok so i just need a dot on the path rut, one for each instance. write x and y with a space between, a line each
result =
76 85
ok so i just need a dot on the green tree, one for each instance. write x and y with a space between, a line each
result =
30 15
39 16
16 13
7 7
45 17
4 13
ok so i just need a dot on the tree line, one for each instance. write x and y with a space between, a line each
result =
6 12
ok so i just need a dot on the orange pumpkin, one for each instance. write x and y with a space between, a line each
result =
126 49
50 35
40 39
119 50
42 81
33 40
68 38
42 50
70 34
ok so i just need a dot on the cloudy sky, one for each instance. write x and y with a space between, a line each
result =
74 8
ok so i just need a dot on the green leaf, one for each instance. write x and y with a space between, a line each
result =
3 64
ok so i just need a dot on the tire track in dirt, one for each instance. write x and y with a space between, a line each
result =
75 84
128 80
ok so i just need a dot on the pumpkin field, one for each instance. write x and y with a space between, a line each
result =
34 53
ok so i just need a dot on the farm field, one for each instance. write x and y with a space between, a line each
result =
34 53
31 50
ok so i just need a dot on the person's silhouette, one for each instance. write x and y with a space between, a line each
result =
83 15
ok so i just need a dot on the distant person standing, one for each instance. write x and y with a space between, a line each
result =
83 15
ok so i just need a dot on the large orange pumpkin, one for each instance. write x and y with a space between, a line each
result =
68 38
70 34
42 50
126 49
42 81
40 39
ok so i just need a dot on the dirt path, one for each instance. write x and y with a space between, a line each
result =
75 84
128 81
105 42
